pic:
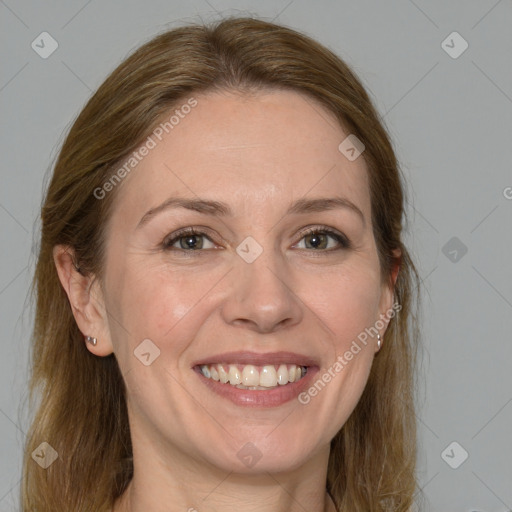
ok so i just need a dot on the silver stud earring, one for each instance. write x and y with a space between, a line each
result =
91 340
379 341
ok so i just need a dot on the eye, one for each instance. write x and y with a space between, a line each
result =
187 239
318 238
323 239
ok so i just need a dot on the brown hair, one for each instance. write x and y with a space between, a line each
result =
82 411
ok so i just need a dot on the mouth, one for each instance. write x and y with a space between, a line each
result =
251 379
254 378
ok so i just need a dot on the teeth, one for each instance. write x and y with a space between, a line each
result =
268 377
282 375
223 375
234 375
251 377
214 373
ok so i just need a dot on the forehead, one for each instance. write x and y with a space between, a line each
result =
249 150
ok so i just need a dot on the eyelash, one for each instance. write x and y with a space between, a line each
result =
342 240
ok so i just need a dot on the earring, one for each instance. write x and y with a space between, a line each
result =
379 340
91 340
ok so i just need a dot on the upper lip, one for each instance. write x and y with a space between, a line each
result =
257 359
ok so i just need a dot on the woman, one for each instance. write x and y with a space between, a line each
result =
223 294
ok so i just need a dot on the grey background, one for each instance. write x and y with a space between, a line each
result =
451 122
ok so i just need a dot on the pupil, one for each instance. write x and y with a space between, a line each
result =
191 241
316 240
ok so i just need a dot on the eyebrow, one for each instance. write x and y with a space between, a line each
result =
219 209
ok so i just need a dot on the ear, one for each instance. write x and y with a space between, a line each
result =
86 299
388 292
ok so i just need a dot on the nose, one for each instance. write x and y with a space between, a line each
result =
261 296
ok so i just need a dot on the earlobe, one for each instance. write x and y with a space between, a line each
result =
85 300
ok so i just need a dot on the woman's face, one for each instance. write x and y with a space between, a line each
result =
281 272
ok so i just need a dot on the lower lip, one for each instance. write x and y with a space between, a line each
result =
259 398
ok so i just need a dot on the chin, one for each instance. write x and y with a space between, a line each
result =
262 454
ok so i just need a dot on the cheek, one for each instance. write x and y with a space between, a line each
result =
164 306
350 307
346 303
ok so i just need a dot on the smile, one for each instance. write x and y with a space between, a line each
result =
251 379
255 378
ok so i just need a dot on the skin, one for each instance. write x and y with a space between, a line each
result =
258 153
